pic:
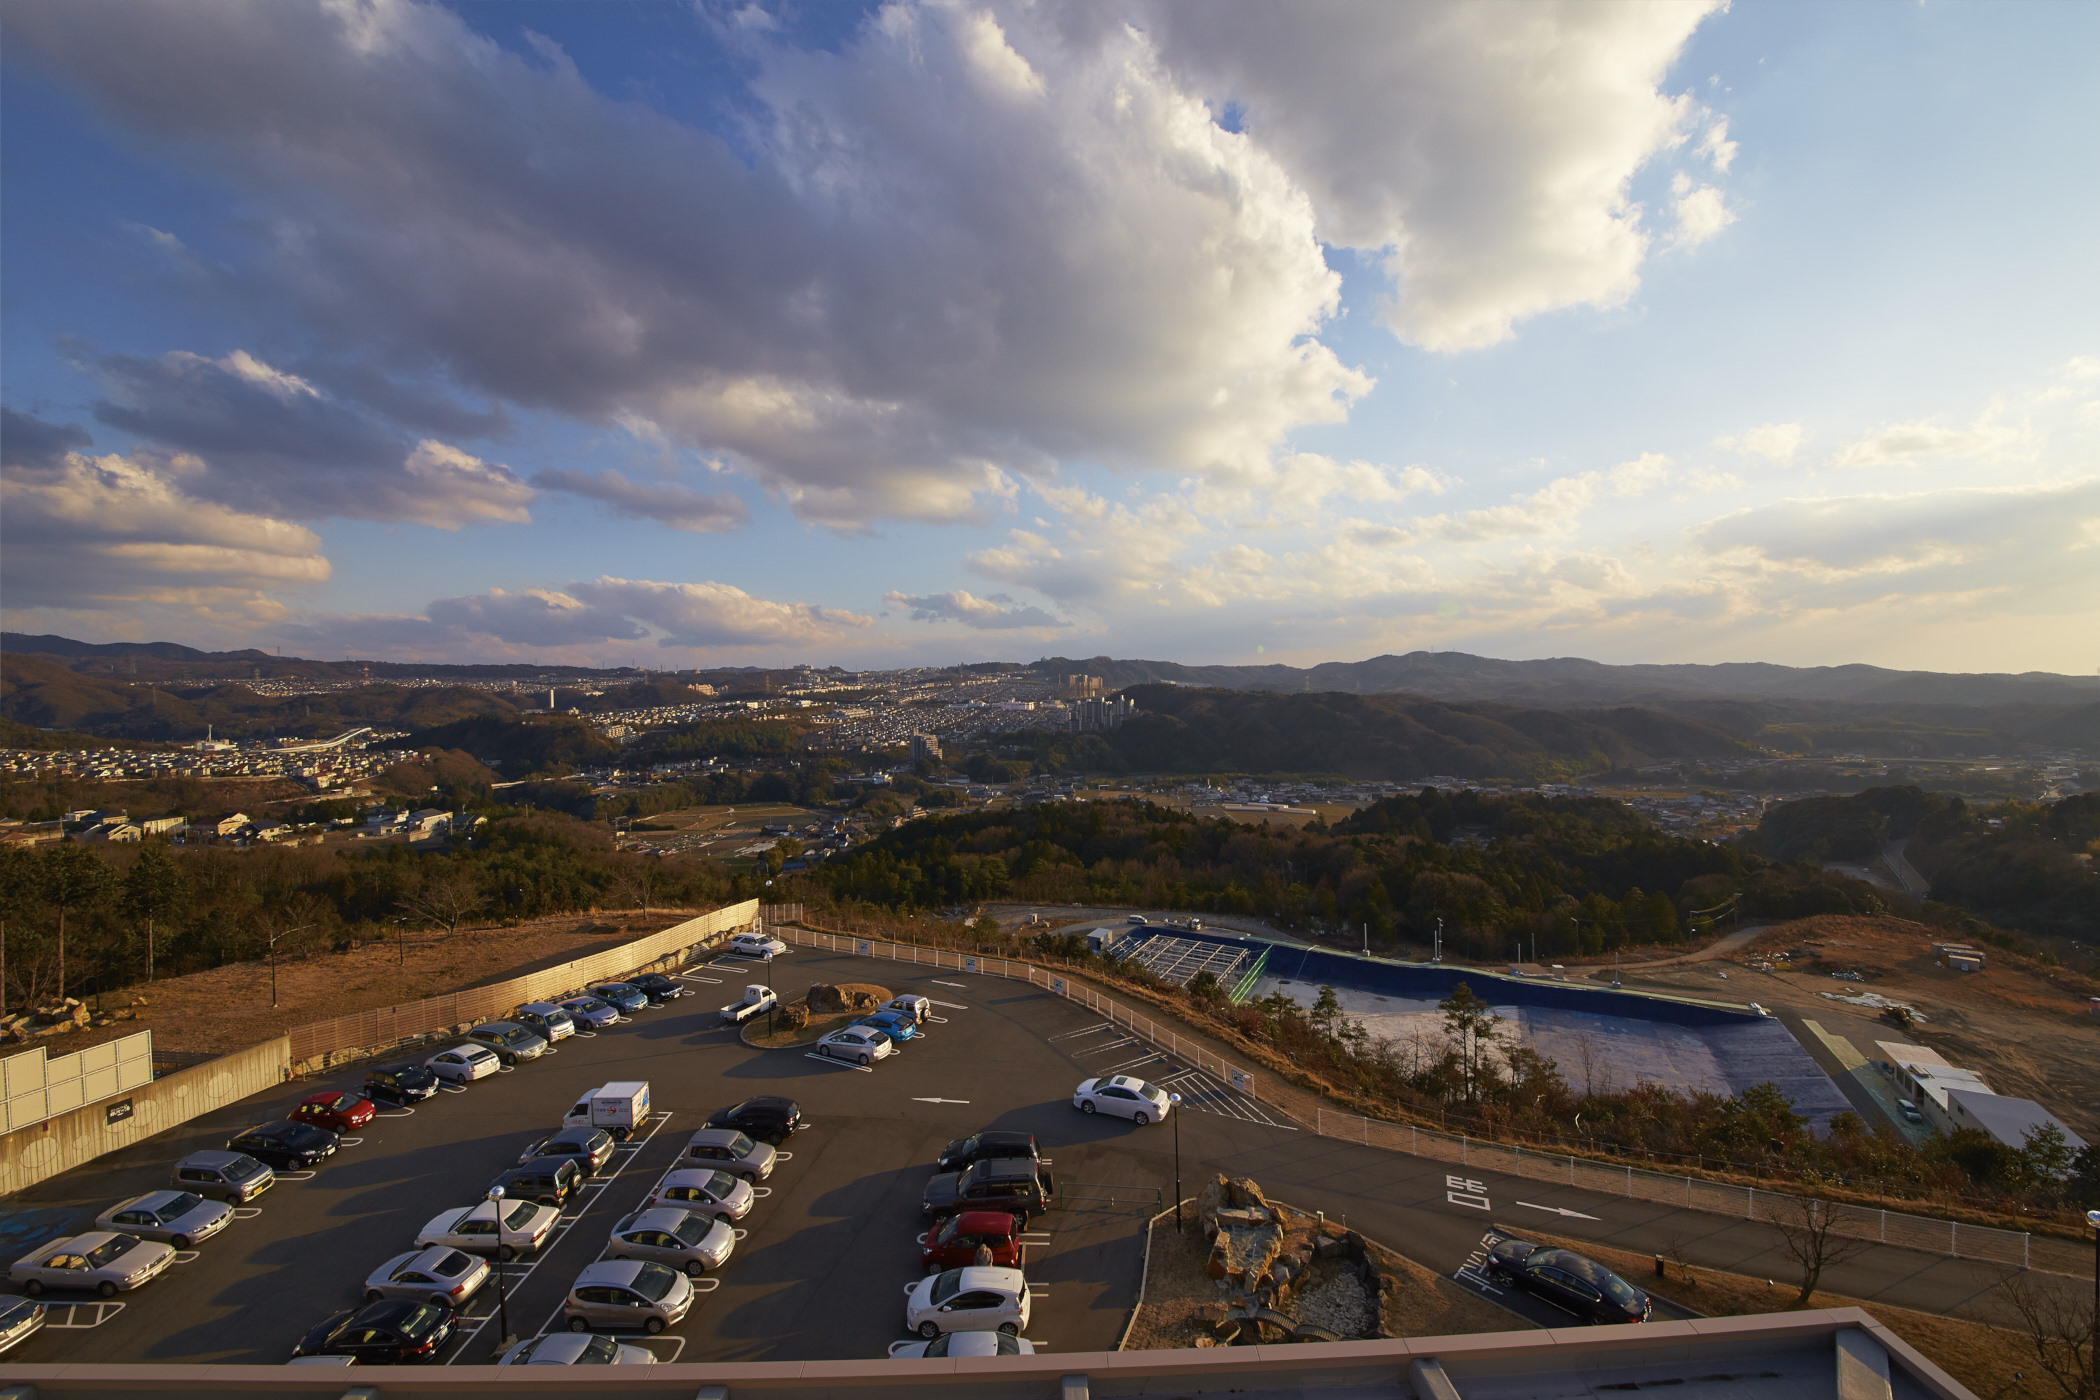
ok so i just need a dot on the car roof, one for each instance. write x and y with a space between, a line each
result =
432 1253
540 1008
211 1159
689 1176
983 1220
497 1026
992 1277
558 1348
1004 1166
658 1218
767 1102
1001 1137
385 1310
152 1200
609 1271
715 1137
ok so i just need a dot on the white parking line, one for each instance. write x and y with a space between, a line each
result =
780 1156
453 1088
402 1112
297 1176
677 1345
962 986
246 1212
951 1005
838 1064
1133 1064
1109 1045
348 1141
97 1314
186 1256
1089 1030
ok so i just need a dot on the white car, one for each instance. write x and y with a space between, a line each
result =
963 1344
575 1349
860 1044
441 1275
525 1227
707 1192
975 1299
463 1064
1123 1096
757 945
101 1261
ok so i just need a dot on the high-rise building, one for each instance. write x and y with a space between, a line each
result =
924 748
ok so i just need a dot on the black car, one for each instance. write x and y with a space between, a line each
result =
1582 1286
1016 1185
659 987
285 1145
984 1147
402 1084
547 1181
768 1117
392 1333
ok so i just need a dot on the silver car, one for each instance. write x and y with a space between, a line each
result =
179 1218
698 1244
627 1294
234 1177
99 1261
463 1064
726 1149
20 1320
526 1225
707 1192
565 1349
508 1041
439 1274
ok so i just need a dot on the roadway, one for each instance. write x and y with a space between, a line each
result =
820 1272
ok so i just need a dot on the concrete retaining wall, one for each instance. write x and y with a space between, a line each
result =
58 1144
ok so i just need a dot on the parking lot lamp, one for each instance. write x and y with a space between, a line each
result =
1175 1100
2092 1218
502 1301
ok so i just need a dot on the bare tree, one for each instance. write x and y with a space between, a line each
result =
449 897
1808 1238
2059 1327
637 881
283 928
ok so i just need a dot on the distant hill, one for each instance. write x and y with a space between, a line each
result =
1396 738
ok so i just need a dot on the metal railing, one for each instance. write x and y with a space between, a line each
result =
2017 1248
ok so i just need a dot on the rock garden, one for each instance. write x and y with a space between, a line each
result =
825 1007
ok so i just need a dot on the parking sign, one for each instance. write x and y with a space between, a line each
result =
969 964
1241 1080
861 947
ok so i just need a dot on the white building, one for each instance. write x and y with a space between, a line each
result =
1952 1098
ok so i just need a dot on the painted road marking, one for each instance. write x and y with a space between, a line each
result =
1029 1237
186 1256
1464 1191
837 1064
919 1100
1133 1064
677 1345
951 1005
1474 1270
453 1088
246 1212
960 986
1109 1045
1558 1210
780 1156
97 1314
1090 1030
297 1176
1206 1095
586 1035
398 1113
761 1192
938 1020
348 1141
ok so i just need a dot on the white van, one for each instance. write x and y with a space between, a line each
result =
620 1108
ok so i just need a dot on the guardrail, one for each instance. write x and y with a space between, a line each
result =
1246 985
2017 1248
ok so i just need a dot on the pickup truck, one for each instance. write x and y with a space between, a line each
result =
757 1001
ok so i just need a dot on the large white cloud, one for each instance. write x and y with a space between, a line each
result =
995 613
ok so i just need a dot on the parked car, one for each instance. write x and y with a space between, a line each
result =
588 1148
963 1344
463 1064
984 1147
336 1110
767 1117
20 1319
285 1145
953 1244
401 1084
658 987
683 1239
897 1025
861 1044
233 1177
1909 1111
178 1218
545 1020
1567 1280
1123 1096
591 1013
1015 1185
382 1334
107 1262
568 1349
548 1180
976 1299
440 1274
624 995
508 1041
756 945
919 1008
525 1227
728 1150
711 1192
623 1294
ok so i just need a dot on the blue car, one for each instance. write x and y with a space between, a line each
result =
621 994
591 1012
898 1026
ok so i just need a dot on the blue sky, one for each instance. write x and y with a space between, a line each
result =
695 334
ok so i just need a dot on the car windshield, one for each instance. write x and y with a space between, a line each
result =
741 1145
241 1168
521 1216
598 1351
182 1205
114 1249
653 1282
451 1265
423 1320
1616 1289
947 1285
720 1184
694 1229
954 1222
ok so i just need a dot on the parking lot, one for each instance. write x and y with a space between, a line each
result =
821 1270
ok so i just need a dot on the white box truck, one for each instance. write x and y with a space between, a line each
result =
621 1108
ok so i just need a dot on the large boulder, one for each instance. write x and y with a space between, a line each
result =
794 1016
824 999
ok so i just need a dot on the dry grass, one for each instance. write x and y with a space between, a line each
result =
818 1025
1980 1356
228 1008
1176 1286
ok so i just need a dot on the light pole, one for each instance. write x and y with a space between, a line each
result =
1175 1101
1438 954
502 1300
2092 1218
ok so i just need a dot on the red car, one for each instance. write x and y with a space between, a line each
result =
953 1244
337 1111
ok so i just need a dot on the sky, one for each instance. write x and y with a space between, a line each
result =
678 335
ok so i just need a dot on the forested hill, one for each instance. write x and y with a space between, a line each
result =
1394 737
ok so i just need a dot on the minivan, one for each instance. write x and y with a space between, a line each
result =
546 1020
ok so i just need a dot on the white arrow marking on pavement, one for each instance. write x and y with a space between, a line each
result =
939 983
940 1100
1557 1210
